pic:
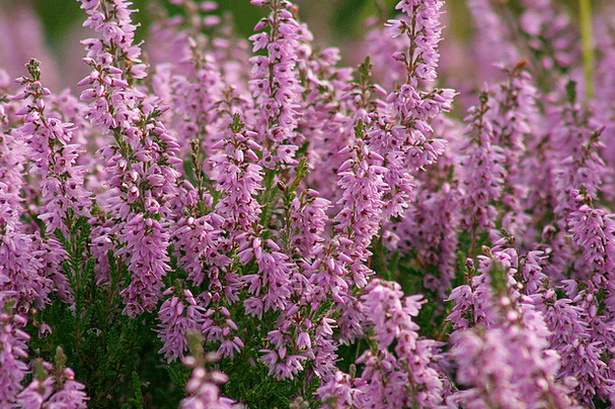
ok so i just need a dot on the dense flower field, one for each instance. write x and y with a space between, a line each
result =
220 223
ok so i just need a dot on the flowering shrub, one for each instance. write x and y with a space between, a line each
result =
206 226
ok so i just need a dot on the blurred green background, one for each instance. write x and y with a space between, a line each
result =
333 22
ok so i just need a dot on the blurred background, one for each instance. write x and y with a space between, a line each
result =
51 29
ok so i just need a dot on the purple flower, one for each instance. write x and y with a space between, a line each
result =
506 359
308 221
275 84
572 336
203 386
53 390
238 179
55 159
13 350
141 163
483 171
145 249
407 375
198 240
403 135
424 30
531 269
361 180
178 316
22 270
430 227
511 115
576 140
593 232
218 327
338 392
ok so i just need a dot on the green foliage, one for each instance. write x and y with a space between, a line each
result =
137 401
103 346
249 379
251 385
178 373
571 91
410 273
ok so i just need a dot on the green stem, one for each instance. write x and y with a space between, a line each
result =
587 39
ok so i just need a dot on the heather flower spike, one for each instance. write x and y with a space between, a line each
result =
483 173
53 386
203 384
49 142
13 350
275 84
141 162
505 358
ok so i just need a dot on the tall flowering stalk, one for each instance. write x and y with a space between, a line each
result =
13 350
505 358
483 173
49 142
356 224
275 85
141 162
576 167
203 383
22 259
397 368
593 233
406 140
362 181
53 386
579 159
54 157
205 250
512 114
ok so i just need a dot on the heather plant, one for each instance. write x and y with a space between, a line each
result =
212 221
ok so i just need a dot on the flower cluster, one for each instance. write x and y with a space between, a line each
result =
228 222
51 387
505 358
141 162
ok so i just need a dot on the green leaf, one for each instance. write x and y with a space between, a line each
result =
136 386
571 91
